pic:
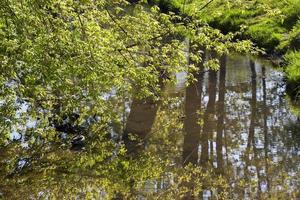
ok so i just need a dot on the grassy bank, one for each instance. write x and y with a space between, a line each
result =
273 25
293 74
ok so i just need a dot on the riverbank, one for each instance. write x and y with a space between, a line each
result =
272 25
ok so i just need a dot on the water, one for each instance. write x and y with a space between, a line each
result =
230 135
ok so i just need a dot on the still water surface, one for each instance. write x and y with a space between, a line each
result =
229 135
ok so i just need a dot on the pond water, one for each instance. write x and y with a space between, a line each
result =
230 135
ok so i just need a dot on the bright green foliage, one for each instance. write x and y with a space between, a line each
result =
65 56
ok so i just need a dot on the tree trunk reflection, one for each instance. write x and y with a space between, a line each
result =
221 115
208 120
140 120
192 125
266 138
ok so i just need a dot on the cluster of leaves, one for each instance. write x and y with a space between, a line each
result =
66 56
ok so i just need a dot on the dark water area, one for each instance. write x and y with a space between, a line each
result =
230 135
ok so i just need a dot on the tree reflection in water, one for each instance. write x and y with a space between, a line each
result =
221 115
238 140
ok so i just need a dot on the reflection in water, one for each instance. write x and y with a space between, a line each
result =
253 105
208 119
221 114
253 122
237 117
141 118
192 125
265 126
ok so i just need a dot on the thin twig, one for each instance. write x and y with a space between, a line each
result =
207 4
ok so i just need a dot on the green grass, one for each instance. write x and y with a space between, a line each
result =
267 34
232 20
293 66
294 37
293 74
291 12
